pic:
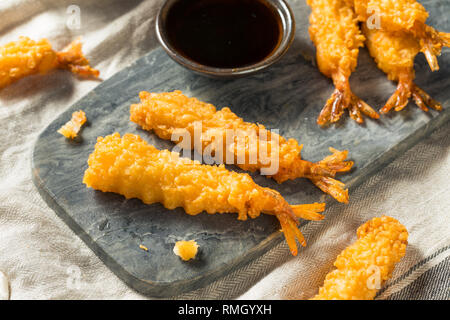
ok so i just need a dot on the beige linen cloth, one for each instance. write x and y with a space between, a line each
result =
43 258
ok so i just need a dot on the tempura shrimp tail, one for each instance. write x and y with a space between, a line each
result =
336 162
309 211
341 99
328 167
321 173
406 89
305 169
423 100
333 187
73 59
445 38
288 216
431 43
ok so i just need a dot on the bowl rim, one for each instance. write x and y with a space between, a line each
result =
288 34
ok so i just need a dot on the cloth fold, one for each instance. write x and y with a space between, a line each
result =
43 258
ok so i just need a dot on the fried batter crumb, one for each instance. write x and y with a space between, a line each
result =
72 127
366 264
186 250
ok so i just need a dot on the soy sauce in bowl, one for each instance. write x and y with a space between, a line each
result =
225 38
224 33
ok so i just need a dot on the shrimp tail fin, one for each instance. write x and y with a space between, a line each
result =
445 38
333 187
405 89
399 98
432 42
358 108
336 161
341 99
73 59
309 211
431 57
423 100
289 227
333 109
321 173
288 216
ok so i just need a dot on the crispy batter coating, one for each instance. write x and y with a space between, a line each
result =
405 16
168 113
26 57
395 15
72 127
131 167
380 246
186 250
394 53
335 33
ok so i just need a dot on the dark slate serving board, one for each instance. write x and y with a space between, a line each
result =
287 96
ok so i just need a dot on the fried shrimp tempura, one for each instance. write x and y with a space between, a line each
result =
72 127
26 57
394 54
380 246
405 16
168 113
131 167
335 33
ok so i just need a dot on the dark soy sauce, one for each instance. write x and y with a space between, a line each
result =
224 33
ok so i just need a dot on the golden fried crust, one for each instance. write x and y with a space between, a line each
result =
26 57
403 16
336 35
380 246
131 167
165 113
393 53
135 169
395 15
